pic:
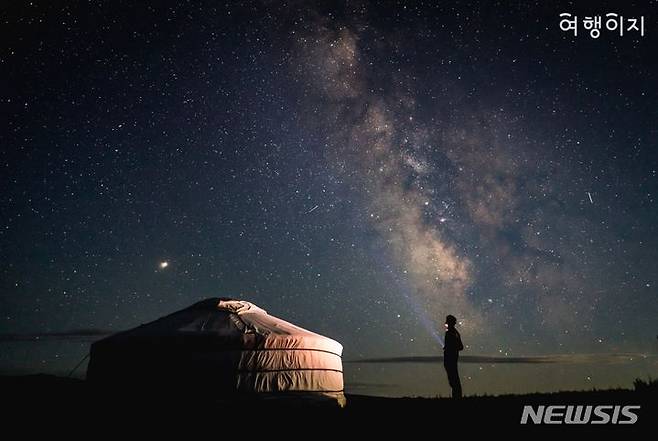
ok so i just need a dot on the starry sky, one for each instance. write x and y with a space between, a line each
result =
361 169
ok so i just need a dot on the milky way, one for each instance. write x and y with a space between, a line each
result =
360 169
460 193
373 137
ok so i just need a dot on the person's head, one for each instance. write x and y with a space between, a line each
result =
451 321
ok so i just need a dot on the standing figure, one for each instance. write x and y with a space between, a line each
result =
453 344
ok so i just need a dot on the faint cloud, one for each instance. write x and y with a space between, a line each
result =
73 334
609 358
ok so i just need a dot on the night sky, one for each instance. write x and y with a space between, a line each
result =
359 169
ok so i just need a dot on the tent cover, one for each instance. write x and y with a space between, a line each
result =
224 349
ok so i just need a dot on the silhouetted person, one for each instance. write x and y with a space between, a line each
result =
452 346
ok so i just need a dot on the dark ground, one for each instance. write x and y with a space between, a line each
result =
56 401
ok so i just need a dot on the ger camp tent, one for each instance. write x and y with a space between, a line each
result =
224 349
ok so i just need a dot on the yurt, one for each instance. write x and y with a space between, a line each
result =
220 349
